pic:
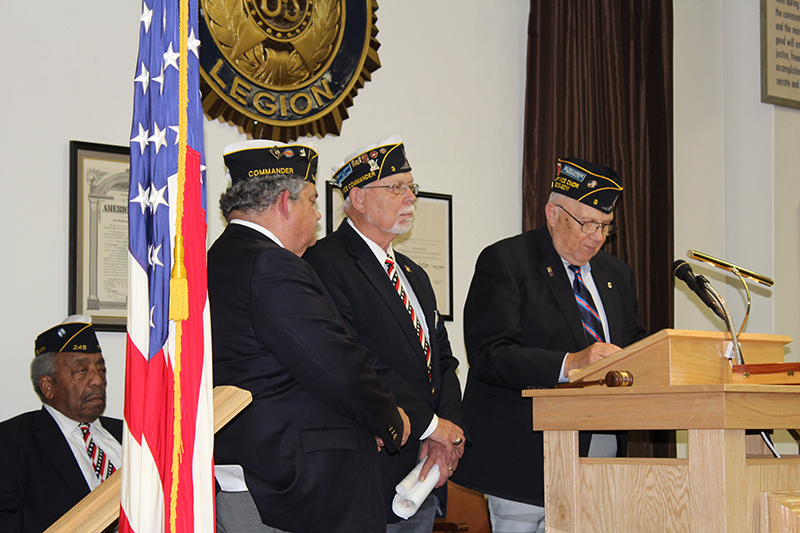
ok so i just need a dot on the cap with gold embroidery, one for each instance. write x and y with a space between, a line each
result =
371 163
258 157
590 184
74 334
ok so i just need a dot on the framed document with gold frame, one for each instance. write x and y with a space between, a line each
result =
98 233
780 52
429 243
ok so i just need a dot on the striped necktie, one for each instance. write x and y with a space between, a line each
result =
103 467
398 286
592 325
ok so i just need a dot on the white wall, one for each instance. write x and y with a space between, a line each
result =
736 166
737 195
451 84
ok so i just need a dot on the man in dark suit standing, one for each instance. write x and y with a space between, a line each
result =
307 443
541 304
50 459
404 334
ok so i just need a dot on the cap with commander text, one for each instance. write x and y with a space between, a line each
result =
590 184
371 163
258 157
74 334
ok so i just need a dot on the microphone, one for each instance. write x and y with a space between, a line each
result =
683 271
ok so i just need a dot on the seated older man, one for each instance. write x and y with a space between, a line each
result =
50 459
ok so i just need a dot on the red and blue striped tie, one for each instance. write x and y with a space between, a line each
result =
592 325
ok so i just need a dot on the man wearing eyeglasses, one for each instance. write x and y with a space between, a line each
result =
389 301
541 304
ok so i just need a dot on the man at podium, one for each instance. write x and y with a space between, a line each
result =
540 305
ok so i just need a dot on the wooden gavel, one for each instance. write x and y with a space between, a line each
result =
614 378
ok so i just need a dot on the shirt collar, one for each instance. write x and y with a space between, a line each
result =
585 269
259 228
380 253
65 423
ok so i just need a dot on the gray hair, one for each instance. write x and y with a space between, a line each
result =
555 196
254 195
346 206
42 365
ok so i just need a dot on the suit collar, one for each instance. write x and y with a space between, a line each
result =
552 269
377 276
612 302
55 446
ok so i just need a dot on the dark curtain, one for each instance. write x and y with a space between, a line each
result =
599 87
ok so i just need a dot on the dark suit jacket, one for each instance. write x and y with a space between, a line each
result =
520 319
307 442
39 478
370 304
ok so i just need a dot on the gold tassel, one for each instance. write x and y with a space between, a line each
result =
178 285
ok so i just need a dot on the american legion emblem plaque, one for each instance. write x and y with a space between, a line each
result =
284 69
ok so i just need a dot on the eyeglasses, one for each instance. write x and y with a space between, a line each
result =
398 188
591 227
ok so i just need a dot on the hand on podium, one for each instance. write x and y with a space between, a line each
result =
587 356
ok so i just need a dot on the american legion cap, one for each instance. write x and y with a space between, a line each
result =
371 163
590 184
258 157
74 334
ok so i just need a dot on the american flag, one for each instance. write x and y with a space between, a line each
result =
167 474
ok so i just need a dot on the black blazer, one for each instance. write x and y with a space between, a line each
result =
307 441
39 478
369 303
520 320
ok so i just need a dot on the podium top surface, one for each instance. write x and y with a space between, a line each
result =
712 406
683 357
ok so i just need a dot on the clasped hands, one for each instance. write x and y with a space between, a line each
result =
443 447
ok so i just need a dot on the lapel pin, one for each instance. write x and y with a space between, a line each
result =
609 284
550 271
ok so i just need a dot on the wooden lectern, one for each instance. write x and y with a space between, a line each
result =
681 381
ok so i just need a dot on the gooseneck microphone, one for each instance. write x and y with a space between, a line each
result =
698 284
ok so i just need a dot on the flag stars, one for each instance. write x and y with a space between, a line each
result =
157 198
147 17
160 80
143 198
171 58
141 138
152 255
143 78
177 131
159 137
193 43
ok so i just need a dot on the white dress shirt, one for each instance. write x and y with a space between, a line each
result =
102 438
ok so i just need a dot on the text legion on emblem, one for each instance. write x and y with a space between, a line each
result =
283 69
